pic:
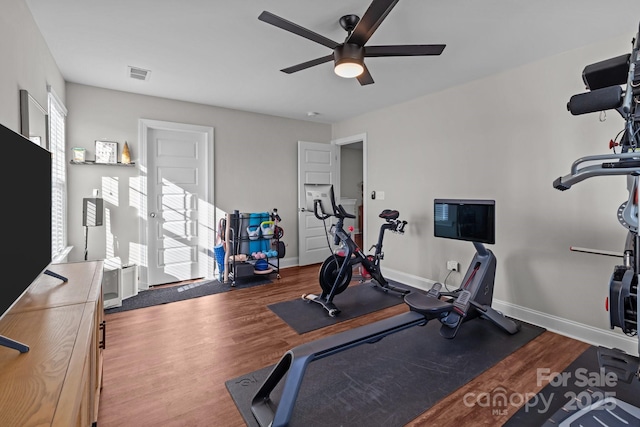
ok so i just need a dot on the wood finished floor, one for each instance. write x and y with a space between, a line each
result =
166 365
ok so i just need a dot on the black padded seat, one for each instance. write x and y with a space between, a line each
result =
389 214
427 305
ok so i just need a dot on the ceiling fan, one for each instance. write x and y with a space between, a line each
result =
349 56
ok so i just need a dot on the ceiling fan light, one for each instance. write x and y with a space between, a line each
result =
349 60
348 69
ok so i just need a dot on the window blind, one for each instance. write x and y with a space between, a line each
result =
57 121
441 212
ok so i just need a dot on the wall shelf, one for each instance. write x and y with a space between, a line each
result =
102 164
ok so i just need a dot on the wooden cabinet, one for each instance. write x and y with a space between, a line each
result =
57 382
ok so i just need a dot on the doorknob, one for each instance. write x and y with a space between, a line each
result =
152 214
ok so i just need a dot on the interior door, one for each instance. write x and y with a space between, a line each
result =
348 179
318 163
179 215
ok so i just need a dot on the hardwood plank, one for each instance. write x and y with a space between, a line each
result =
515 377
166 365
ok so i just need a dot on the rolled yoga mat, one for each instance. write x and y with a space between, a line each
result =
244 235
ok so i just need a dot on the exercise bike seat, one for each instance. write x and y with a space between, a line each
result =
427 305
389 214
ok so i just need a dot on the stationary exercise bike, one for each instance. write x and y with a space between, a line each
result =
336 271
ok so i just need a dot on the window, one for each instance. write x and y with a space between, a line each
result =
441 212
57 143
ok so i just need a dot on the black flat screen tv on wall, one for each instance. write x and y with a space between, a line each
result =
470 220
26 215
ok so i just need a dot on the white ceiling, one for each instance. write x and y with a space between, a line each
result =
217 52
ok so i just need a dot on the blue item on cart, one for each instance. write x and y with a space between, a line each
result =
218 251
261 265
255 219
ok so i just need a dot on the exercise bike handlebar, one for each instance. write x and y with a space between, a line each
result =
338 211
342 213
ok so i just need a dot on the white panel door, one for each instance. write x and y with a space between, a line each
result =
317 164
179 209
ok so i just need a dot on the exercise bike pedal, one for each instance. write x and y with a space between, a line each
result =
462 303
327 305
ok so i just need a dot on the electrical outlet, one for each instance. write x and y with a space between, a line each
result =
452 265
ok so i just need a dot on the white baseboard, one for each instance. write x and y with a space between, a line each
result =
288 262
408 279
589 334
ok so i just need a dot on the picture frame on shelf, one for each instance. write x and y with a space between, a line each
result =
106 152
79 155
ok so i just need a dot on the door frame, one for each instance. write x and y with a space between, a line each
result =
143 129
340 142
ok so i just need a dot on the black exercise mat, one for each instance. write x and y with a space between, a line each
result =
583 373
304 316
392 381
167 295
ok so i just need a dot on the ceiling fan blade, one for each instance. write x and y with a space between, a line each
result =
308 64
370 21
272 19
365 78
404 50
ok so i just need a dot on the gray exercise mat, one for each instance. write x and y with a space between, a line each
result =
392 381
167 295
357 300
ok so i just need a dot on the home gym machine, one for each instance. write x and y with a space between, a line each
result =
603 79
604 82
473 299
336 271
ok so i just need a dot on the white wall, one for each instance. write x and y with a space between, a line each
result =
506 137
26 63
255 162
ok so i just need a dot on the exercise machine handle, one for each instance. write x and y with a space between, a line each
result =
626 164
607 98
400 227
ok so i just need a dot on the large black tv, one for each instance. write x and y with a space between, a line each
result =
26 216
470 220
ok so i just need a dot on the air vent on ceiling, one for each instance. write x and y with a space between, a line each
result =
139 73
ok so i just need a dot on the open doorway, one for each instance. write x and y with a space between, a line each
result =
353 182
